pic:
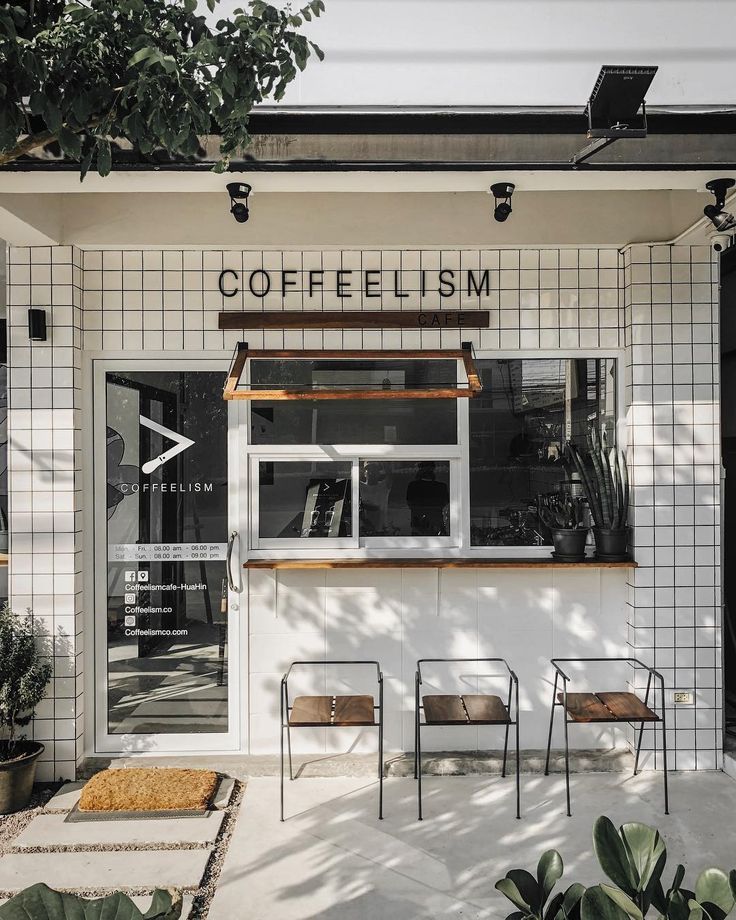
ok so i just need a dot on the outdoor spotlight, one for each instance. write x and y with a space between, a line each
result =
502 192
239 192
37 325
721 220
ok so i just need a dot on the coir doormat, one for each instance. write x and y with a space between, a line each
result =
134 792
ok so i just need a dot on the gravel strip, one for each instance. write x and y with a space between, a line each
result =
110 847
12 825
203 898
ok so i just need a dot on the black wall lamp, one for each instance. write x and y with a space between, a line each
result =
239 192
37 325
721 219
616 107
502 192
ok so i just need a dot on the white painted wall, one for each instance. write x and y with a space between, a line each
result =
525 52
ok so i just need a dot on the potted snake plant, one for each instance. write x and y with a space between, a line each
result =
24 675
605 480
564 515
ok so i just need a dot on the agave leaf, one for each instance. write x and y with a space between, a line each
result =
549 872
713 888
623 901
613 856
596 905
590 494
43 903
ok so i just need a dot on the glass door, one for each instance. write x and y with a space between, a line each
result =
168 579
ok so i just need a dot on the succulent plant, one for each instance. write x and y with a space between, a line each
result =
562 512
633 857
607 486
43 903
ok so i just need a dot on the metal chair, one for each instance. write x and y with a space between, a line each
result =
467 709
331 712
606 707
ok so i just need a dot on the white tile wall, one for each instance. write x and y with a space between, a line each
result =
659 302
671 305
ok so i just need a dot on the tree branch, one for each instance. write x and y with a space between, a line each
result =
32 142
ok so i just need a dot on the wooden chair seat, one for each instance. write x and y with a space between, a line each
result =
470 709
607 707
316 711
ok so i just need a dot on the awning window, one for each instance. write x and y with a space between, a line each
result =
273 375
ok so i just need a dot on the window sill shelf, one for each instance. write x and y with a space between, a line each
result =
420 563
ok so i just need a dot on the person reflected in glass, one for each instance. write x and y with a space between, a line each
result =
428 501
376 482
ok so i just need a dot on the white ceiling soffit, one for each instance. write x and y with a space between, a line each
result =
182 181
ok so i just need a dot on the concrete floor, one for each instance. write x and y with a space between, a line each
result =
332 859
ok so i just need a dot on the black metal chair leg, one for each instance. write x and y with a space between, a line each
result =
416 721
638 748
288 741
505 749
664 755
380 752
419 771
518 758
567 763
282 754
551 724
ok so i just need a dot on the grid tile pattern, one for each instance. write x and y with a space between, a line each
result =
44 470
549 298
659 302
671 305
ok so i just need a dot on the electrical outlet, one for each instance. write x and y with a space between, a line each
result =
684 697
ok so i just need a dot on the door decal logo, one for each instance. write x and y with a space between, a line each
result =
181 444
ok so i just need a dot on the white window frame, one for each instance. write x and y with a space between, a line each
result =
458 544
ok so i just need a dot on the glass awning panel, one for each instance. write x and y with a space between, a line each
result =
271 375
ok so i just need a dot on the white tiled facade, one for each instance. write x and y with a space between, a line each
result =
658 305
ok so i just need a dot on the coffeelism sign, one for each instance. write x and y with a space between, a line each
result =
394 295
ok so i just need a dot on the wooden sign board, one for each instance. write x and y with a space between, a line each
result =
357 319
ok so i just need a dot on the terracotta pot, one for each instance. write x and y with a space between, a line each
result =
611 545
17 776
569 544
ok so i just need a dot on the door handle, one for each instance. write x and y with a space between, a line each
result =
228 564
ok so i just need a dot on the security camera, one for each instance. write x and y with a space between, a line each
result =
716 213
720 242
502 192
239 192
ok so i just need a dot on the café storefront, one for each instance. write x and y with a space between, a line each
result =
373 489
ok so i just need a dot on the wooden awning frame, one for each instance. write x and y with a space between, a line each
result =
464 354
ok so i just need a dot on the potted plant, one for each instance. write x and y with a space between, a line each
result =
565 518
3 530
605 480
24 676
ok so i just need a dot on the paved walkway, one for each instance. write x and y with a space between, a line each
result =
99 856
332 859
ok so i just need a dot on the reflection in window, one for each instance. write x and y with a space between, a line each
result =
402 498
304 500
519 424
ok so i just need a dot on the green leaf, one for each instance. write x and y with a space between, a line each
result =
612 855
43 903
70 143
104 157
549 872
143 54
646 849
713 888
509 889
623 901
596 905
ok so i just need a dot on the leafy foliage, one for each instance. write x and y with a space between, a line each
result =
562 512
24 675
607 486
43 903
634 858
153 72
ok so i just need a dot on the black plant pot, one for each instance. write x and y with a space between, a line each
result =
569 544
17 775
611 545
